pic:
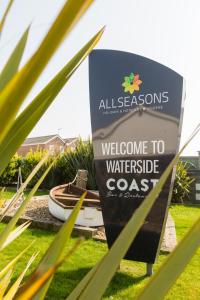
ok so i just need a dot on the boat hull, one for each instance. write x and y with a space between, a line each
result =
88 216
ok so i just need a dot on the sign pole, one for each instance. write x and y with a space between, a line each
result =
149 269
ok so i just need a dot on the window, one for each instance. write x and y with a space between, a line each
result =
51 149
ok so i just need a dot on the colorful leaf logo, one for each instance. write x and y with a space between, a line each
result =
131 83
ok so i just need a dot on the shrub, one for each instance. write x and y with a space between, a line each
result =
63 171
71 161
181 189
29 162
10 173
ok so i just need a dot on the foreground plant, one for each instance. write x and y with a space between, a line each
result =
96 281
14 130
15 126
10 233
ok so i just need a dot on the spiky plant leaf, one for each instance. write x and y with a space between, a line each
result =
56 250
14 234
14 60
38 281
20 191
4 283
83 283
34 111
18 87
5 15
14 288
2 198
97 282
4 235
172 268
12 263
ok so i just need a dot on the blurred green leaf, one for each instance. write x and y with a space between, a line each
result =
15 233
14 60
38 281
14 261
75 294
4 283
4 235
97 282
34 111
24 185
5 15
14 288
18 87
2 198
56 250
165 277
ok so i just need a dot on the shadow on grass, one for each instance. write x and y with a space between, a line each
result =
122 281
64 283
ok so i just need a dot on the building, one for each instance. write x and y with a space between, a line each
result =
71 143
52 143
193 161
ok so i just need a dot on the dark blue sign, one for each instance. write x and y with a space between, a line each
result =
136 108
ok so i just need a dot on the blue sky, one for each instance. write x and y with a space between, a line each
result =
165 31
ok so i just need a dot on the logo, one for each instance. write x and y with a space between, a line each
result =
131 83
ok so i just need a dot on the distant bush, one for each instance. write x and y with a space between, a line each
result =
81 158
64 170
70 162
10 173
29 162
182 183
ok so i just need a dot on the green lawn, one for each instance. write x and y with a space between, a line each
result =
10 192
128 281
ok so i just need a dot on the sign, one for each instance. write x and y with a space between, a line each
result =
136 108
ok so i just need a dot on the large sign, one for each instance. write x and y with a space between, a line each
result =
135 115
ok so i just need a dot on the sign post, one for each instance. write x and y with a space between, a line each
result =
136 111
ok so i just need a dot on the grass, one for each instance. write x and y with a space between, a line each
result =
131 277
10 192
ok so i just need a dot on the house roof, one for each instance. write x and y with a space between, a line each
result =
69 140
45 139
40 139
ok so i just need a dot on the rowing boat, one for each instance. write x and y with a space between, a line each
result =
63 198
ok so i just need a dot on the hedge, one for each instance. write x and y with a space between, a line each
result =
67 165
63 171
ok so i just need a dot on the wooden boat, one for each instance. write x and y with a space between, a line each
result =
63 198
